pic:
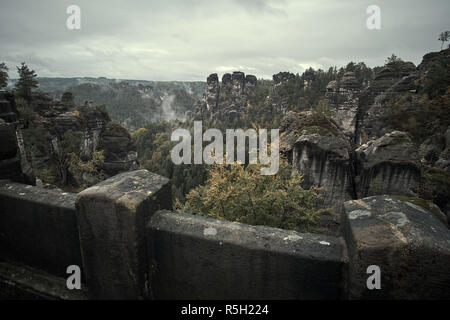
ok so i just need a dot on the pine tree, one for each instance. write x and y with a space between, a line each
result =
26 82
3 75
444 37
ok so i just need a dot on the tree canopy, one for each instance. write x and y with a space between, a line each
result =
27 81
3 75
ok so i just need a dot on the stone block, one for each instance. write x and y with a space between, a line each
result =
111 217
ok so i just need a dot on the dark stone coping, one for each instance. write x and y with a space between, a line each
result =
312 246
194 257
40 195
18 281
38 227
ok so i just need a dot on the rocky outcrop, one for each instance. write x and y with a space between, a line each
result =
322 154
443 161
120 151
228 100
368 152
282 77
8 109
14 164
408 244
343 97
278 101
10 167
95 129
388 165
373 114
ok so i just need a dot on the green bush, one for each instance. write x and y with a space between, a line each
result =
240 193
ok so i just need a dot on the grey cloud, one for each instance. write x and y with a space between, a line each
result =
187 40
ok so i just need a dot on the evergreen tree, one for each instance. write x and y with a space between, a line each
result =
444 37
27 81
3 75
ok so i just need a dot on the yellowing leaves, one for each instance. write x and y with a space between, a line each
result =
240 193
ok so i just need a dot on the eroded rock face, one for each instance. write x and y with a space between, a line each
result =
96 130
374 118
277 101
120 152
343 98
321 153
388 165
8 110
408 243
225 101
14 164
324 162
443 161
9 157
374 108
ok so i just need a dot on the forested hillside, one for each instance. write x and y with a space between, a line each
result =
131 102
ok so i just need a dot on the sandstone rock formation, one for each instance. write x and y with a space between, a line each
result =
409 245
388 165
225 101
343 98
387 132
373 113
14 164
95 128
277 101
320 151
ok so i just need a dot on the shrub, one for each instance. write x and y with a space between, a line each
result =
240 193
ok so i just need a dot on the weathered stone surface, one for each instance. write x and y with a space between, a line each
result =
226 79
321 153
226 101
392 161
409 244
443 161
343 98
8 146
111 217
374 101
38 227
27 169
194 257
119 149
10 157
324 162
8 109
22 282
13 160
97 132
431 57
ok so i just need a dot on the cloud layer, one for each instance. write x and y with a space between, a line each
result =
189 39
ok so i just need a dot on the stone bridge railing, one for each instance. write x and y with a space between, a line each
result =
130 245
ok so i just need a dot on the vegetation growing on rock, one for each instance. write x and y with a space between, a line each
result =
240 193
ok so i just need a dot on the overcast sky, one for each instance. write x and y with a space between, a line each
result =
189 39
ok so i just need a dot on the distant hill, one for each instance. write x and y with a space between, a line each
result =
132 102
